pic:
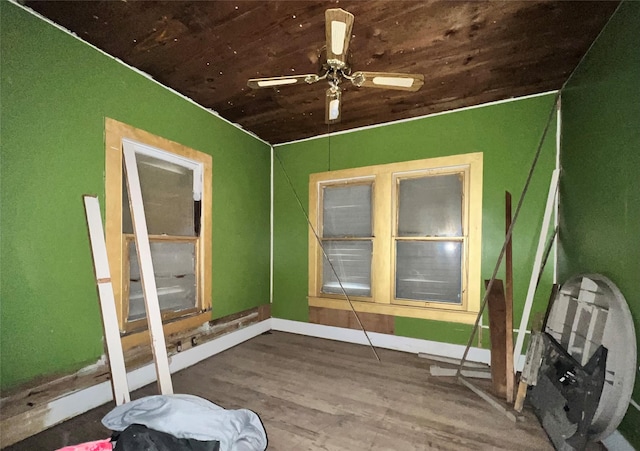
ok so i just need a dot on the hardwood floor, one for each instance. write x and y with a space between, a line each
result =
314 394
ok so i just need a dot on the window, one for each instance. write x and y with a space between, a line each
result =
176 188
347 239
401 239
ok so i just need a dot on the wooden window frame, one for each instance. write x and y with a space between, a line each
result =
384 216
115 133
399 176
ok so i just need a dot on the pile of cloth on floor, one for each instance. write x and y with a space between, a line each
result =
179 423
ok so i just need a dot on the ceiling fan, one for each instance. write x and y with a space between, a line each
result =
336 68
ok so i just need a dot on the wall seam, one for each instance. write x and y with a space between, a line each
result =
271 223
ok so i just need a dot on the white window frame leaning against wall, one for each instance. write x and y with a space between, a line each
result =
385 181
117 135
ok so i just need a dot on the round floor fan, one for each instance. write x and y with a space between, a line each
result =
336 69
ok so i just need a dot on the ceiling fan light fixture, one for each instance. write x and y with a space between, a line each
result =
401 82
333 109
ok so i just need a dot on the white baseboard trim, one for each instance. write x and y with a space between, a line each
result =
617 442
81 401
405 344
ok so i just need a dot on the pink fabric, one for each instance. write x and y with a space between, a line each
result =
99 445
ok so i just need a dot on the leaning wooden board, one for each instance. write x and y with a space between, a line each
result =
498 333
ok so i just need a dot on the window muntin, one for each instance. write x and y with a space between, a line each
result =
406 241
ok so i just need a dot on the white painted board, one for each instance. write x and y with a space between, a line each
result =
147 275
107 302
537 264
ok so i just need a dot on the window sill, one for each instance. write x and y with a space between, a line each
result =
453 316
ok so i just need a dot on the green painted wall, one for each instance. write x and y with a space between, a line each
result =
600 183
55 93
507 133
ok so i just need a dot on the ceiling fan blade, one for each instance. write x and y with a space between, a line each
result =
338 32
271 82
388 80
333 109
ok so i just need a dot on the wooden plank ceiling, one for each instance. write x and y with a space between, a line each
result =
470 52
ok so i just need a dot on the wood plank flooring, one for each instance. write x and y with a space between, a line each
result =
315 394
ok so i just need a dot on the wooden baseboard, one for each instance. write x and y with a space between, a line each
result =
372 322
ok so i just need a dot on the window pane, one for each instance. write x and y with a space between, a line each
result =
429 271
174 266
167 195
352 262
430 206
346 211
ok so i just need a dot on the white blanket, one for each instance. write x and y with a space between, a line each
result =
188 416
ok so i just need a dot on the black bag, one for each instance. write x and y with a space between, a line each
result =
140 438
